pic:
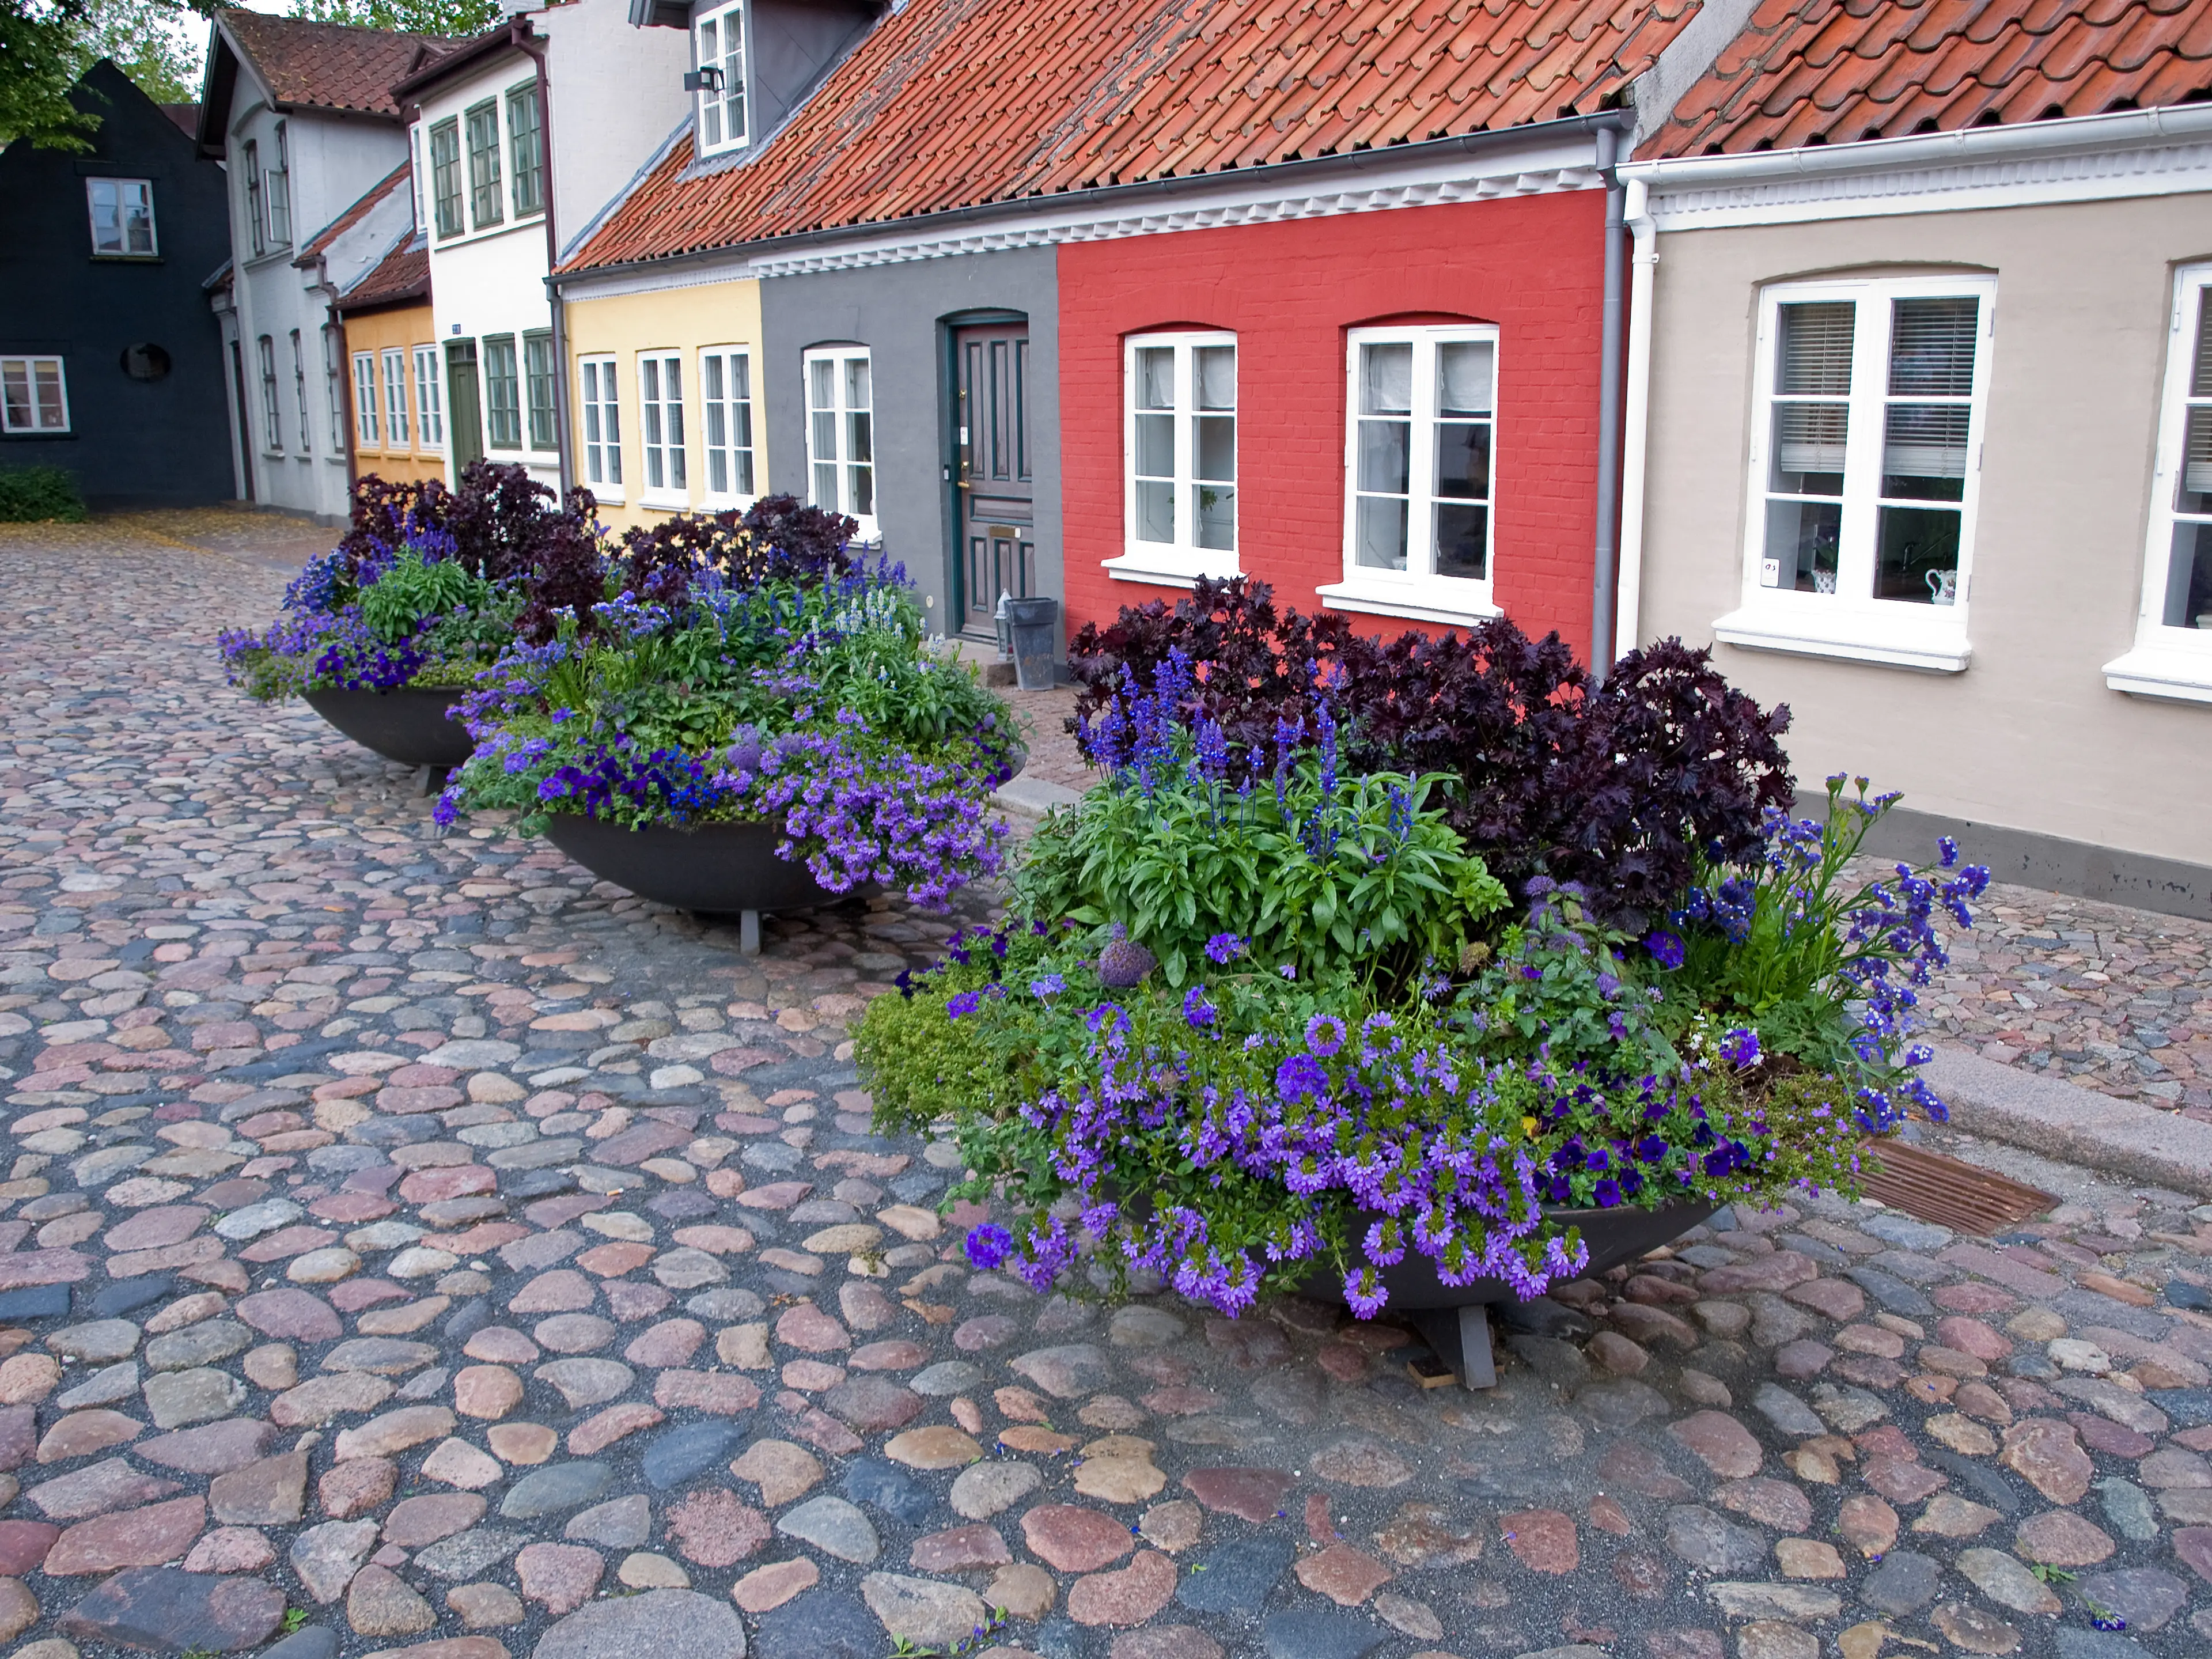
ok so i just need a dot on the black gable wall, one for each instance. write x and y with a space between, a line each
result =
131 442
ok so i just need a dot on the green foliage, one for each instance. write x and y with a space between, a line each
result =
453 18
35 495
411 589
925 1069
1362 871
46 45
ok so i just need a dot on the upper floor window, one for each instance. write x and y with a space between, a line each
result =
1419 468
256 236
484 207
446 177
2172 656
122 216
726 397
417 176
429 400
602 423
34 395
526 150
1865 455
364 400
721 43
1180 442
840 442
278 186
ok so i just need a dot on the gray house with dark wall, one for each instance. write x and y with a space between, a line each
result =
110 363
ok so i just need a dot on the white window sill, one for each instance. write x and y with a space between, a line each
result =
2170 674
658 503
1431 602
608 495
1918 642
726 503
1161 567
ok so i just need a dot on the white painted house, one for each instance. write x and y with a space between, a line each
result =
519 139
302 117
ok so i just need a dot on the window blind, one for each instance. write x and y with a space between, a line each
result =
1931 348
1924 440
1814 359
1811 437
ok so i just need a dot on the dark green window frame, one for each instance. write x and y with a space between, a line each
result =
538 389
485 207
526 150
502 394
446 177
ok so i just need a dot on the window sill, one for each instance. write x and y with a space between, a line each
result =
1417 602
1904 642
664 503
1163 570
2168 674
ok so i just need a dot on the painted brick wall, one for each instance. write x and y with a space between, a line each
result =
1533 266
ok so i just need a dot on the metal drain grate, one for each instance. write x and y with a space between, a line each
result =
1947 1191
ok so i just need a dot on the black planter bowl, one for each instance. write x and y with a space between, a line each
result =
1452 1316
714 869
410 725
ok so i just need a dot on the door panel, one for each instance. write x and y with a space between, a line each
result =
996 514
464 406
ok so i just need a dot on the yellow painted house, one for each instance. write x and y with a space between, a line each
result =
395 390
664 401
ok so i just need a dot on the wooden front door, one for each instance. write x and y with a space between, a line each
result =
994 487
464 406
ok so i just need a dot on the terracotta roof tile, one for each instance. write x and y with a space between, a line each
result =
396 180
325 65
1836 70
402 274
955 103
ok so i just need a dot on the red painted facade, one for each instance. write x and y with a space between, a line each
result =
1289 291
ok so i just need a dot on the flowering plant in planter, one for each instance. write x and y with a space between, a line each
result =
1267 1020
424 589
719 669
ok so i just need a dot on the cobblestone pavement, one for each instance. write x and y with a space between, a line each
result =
408 1239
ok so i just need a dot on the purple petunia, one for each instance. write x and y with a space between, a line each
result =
1666 949
989 1245
966 1002
1324 1034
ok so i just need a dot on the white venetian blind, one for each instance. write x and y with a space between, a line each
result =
2196 444
1931 355
1812 359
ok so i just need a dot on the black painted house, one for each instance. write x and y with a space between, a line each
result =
110 359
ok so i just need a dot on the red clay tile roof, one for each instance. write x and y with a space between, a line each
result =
325 65
186 116
1833 71
952 103
398 179
402 274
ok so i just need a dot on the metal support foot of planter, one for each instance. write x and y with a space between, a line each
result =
1461 1337
749 933
432 779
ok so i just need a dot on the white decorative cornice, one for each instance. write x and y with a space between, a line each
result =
2127 153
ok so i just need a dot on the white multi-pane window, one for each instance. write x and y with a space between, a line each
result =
600 410
726 404
34 395
395 399
334 373
1865 454
1419 468
300 394
278 187
365 422
122 217
1180 439
2172 656
841 440
429 400
719 37
660 420
272 418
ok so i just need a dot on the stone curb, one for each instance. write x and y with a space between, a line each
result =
1032 797
2065 1121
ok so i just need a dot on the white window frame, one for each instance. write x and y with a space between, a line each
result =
715 108
730 415
1181 563
417 182
663 435
396 424
366 423
121 190
1851 623
2170 663
276 193
299 395
26 370
272 402
430 401
835 465
598 427
1418 591
334 358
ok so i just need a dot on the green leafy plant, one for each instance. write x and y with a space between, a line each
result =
295 1619
33 495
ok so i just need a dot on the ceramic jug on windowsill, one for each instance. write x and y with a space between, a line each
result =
1943 586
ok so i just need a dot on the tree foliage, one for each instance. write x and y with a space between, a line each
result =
454 19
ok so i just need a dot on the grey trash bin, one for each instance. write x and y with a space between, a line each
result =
1035 625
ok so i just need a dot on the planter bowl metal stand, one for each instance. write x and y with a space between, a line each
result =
409 725
1454 1318
713 869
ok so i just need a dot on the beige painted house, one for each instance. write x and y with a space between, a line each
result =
1920 438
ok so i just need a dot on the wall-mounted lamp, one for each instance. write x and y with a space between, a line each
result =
708 79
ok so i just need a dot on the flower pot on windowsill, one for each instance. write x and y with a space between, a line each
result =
411 725
713 869
1452 1316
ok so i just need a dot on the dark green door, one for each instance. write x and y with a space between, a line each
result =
463 404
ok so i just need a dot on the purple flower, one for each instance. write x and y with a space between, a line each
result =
1301 1078
1363 1292
1049 985
1196 1010
1324 1034
989 1245
1606 1194
1665 948
1224 949
1740 1047
965 1003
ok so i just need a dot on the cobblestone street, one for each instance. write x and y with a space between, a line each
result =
410 1246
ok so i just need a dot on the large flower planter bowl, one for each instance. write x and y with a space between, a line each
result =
411 725
1452 1316
714 869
